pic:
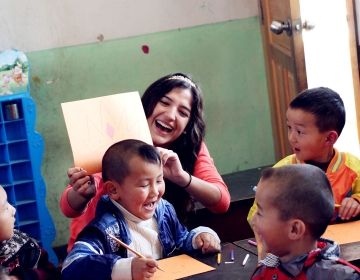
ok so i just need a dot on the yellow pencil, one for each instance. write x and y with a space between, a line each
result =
337 205
130 249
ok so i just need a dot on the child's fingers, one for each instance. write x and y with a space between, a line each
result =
150 262
216 245
213 246
198 241
152 265
143 268
349 208
353 210
207 243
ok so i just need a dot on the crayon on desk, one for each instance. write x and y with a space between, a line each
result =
245 259
232 257
252 242
218 260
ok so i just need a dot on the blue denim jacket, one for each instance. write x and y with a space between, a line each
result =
94 252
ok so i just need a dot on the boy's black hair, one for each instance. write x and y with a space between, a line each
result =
115 162
325 104
302 192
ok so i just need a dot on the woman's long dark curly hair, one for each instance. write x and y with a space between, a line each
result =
187 145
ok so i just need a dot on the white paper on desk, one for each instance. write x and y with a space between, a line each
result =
94 124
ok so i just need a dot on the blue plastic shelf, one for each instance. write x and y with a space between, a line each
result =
21 152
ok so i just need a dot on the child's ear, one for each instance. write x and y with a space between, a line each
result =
331 137
111 189
297 229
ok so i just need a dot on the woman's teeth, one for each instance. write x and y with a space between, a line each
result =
163 126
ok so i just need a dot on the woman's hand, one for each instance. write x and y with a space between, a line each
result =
172 167
81 182
205 192
82 190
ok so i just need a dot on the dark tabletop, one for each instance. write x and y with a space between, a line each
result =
224 270
349 252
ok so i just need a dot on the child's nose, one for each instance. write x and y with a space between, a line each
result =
254 221
14 210
154 190
291 136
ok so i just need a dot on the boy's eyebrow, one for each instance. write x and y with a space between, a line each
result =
150 178
258 206
297 124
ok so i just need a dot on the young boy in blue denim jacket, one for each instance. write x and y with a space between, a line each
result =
134 212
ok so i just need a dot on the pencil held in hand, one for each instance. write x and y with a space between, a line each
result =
130 249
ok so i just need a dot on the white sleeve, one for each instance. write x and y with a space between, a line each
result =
199 230
122 269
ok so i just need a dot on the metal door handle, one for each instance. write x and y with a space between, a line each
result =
279 27
308 25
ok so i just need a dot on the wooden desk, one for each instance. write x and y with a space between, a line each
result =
227 271
246 246
346 233
349 252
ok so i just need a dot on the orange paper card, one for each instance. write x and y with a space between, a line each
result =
95 124
179 267
343 233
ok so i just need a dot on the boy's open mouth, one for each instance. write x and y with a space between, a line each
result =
150 205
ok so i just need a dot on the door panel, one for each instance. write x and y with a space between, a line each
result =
285 65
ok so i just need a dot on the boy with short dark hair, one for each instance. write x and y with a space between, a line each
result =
315 119
134 212
294 206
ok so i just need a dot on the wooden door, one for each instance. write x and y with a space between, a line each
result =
293 61
285 63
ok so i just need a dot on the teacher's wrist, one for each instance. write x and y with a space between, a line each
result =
183 179
189 181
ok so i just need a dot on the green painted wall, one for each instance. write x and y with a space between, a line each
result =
225 58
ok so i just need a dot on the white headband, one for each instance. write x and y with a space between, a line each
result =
182 78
